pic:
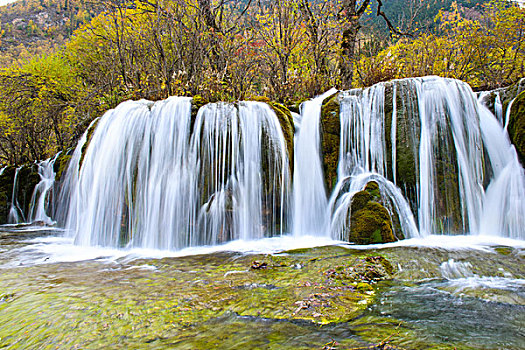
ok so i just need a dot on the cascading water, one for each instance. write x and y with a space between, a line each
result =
362 158
310 216
439 133
15 215
66 212
40 198
153 177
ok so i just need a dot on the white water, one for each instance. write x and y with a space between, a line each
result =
154 178
38 211
450 130
310 208
503 210
15 215
452 269
363 158
67 208
149 180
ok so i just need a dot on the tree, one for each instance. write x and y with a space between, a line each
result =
351 13
487 52
41 108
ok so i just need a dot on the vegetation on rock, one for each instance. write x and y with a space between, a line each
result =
370 221
330 139
517 126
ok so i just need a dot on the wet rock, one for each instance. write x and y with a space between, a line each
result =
517 126
6 191
370 221
61 164
330 139
257 265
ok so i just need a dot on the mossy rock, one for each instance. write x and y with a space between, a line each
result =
61 165
370 221
330 139
6 191
370 225
407 135
509 93
287 125
89 135
517 126
360 199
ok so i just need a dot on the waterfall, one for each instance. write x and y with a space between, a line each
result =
363 158
504 201
15 215
40 199
450 140
154 177
310 208
66 212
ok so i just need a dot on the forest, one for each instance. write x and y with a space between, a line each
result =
68 61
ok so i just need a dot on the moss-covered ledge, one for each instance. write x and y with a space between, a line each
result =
516 127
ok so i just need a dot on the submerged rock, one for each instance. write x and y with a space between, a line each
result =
370 221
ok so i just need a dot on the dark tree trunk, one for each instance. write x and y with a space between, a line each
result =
348 54
352 12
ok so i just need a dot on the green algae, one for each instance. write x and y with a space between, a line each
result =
128 306
302 299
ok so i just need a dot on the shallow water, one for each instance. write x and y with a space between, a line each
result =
444 293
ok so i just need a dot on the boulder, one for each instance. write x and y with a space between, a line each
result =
370 221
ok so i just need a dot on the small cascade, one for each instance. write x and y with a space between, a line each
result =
16 214
362 158
452 269
153 177
504 200
43 190
66 213
310 209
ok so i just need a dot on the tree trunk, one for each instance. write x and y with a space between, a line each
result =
348 54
